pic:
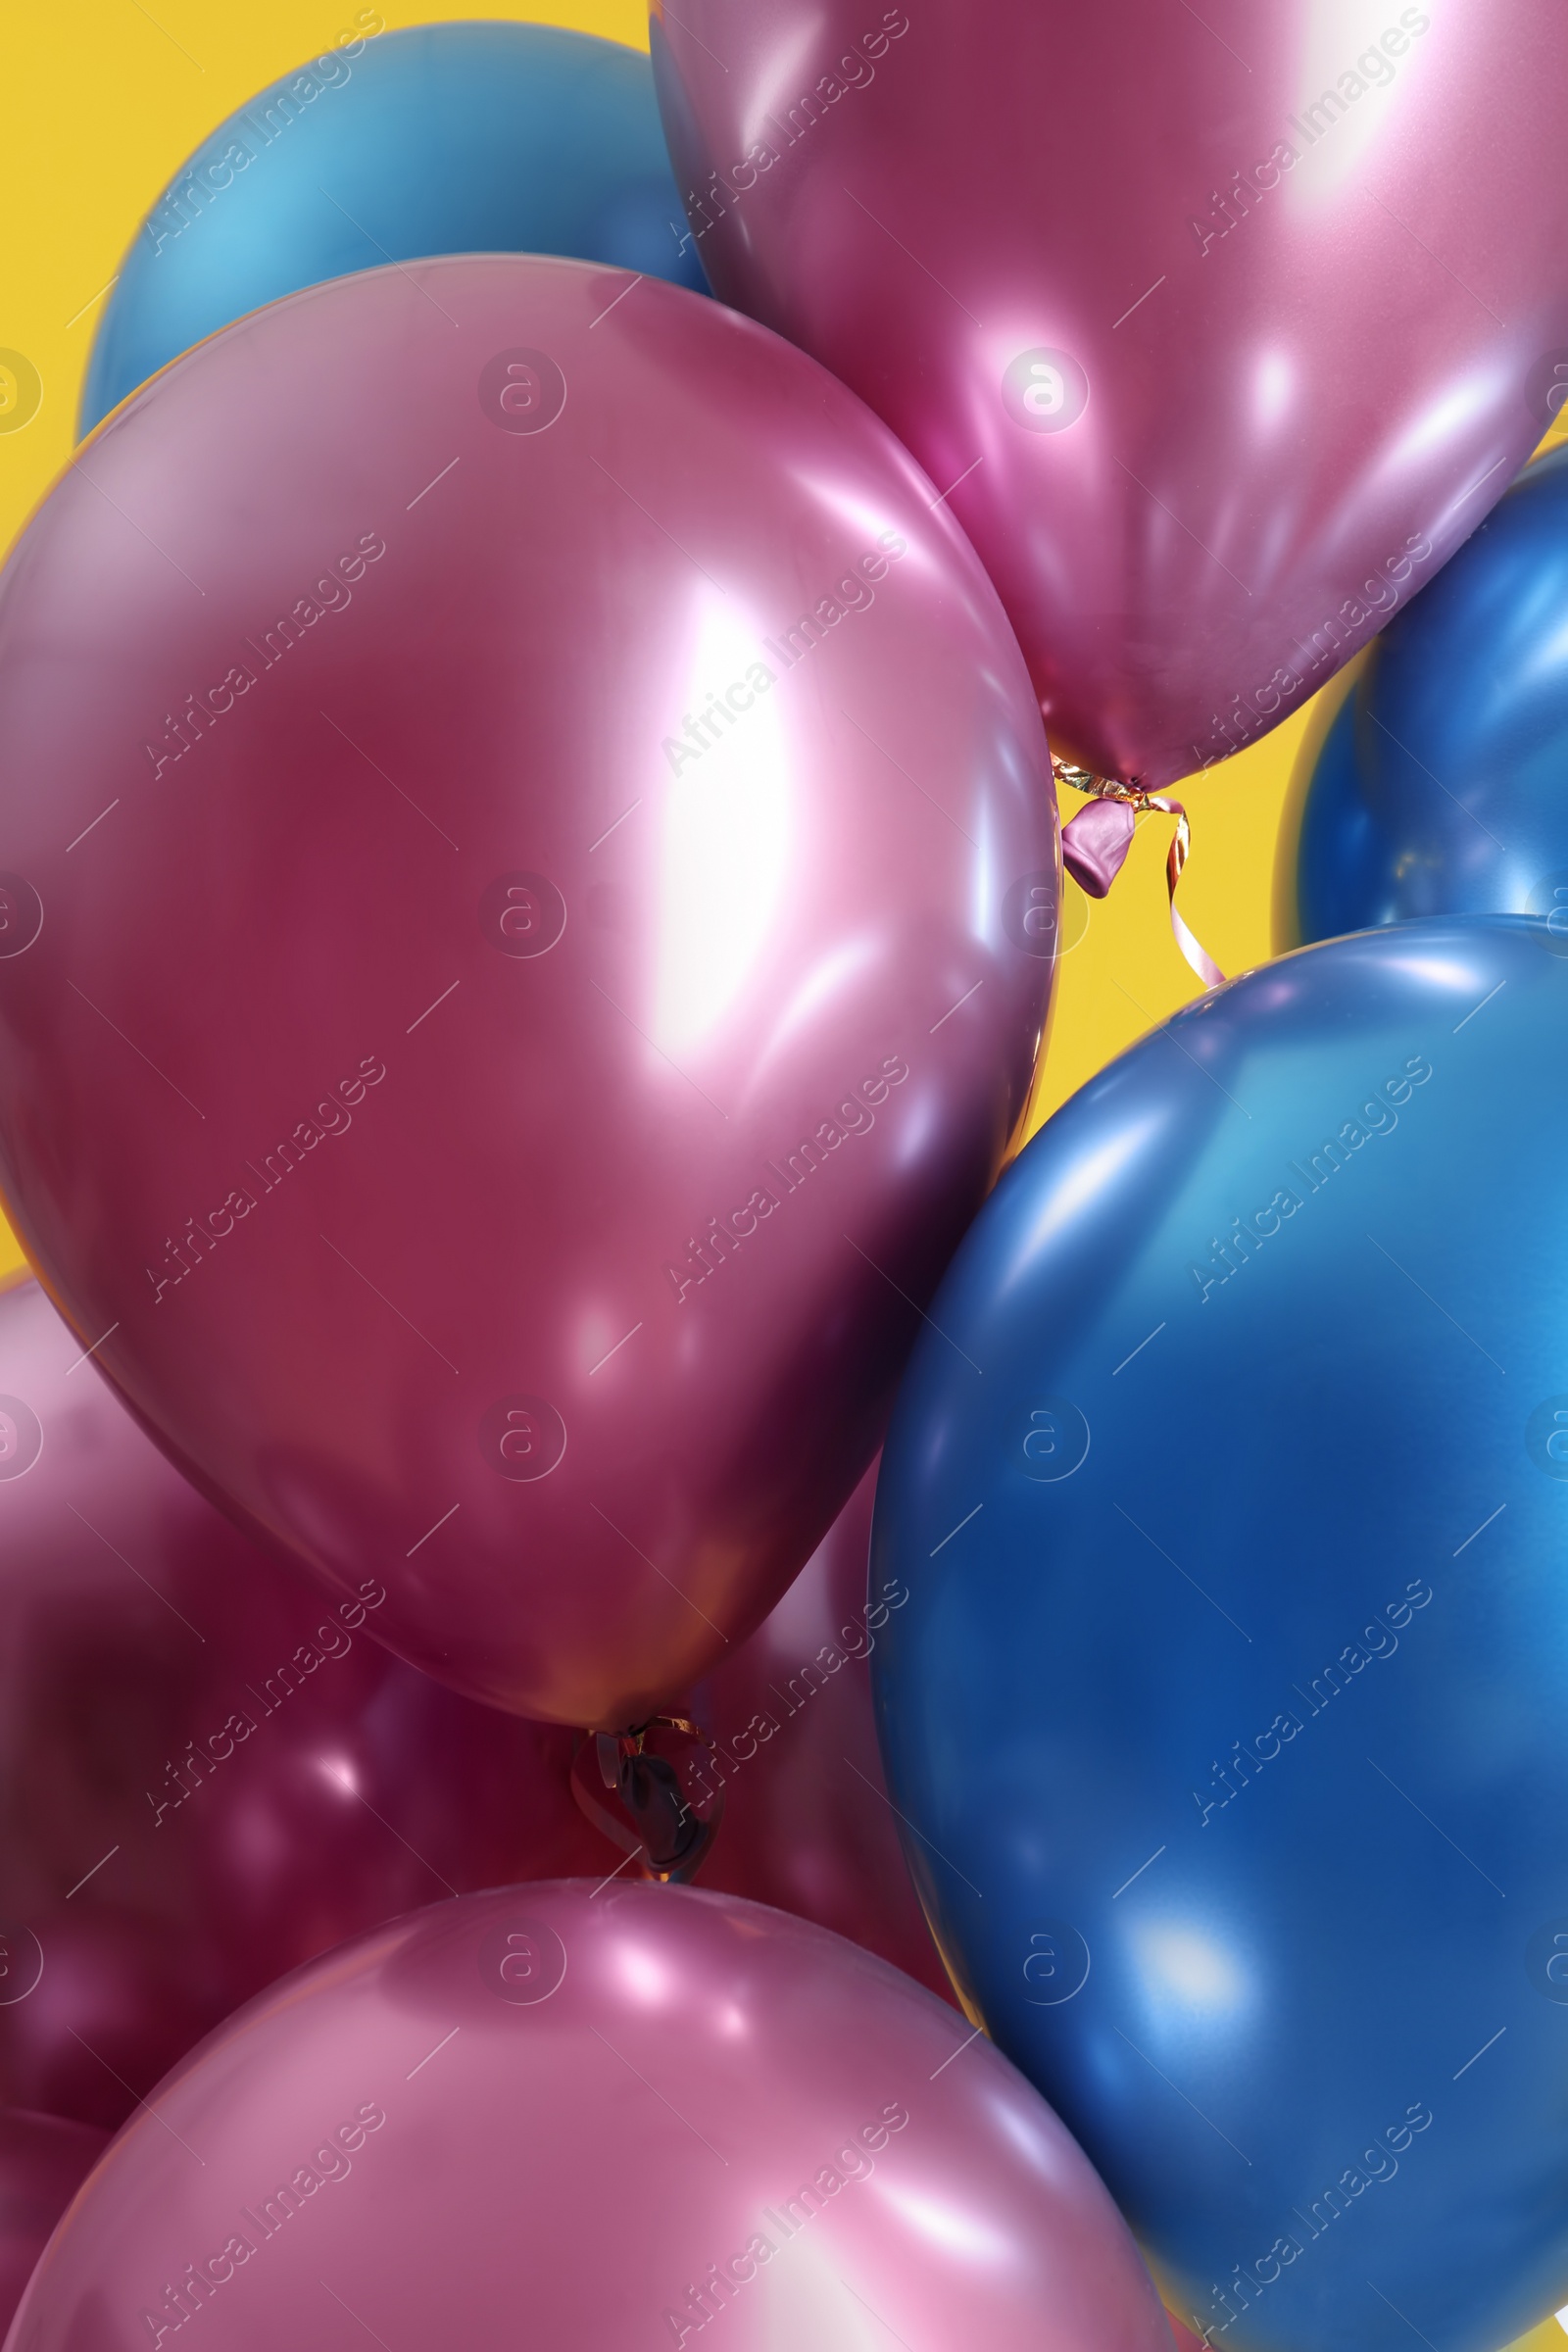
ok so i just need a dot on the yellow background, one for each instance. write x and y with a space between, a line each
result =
101 104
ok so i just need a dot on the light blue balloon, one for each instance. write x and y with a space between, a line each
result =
444 138
1228 1712
1443 786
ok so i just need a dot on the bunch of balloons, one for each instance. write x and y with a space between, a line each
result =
529 891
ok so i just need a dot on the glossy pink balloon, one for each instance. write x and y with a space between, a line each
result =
206 1773
808 1825
533 903
43 2161
548 2118
1221 326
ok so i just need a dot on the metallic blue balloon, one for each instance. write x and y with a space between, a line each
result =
1443 786
1228 1713
444 138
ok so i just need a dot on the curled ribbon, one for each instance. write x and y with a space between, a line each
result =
1095 842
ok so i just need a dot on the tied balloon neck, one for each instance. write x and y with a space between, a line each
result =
1095 845
652 1792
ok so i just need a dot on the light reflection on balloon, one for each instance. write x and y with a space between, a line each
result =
726 853
1189 1972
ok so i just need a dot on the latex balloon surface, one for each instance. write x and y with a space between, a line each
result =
414 2133
1231 1500
207 1774
43 2161
439 138
1217 355
531 914
1440 789
807 1822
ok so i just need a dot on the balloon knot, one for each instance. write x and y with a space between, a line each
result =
1095 845
659 1804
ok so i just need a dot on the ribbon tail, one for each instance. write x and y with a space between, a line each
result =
1195 954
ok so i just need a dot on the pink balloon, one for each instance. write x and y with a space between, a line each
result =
1220 326
43 2161
207 1774
548 2116
531 909
808 1825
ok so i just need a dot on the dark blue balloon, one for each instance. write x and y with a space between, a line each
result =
1228 1712
445 138
1443 787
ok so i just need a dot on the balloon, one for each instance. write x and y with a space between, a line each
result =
1438 790
806 1824
609 2119
205 1775
1331 852
1215 356
498 1126
441 139
1230 1488
43 2161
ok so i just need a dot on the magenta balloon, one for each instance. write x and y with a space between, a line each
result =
1221 326
207 1774
541 2116
533 908
808 1825
43 2161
